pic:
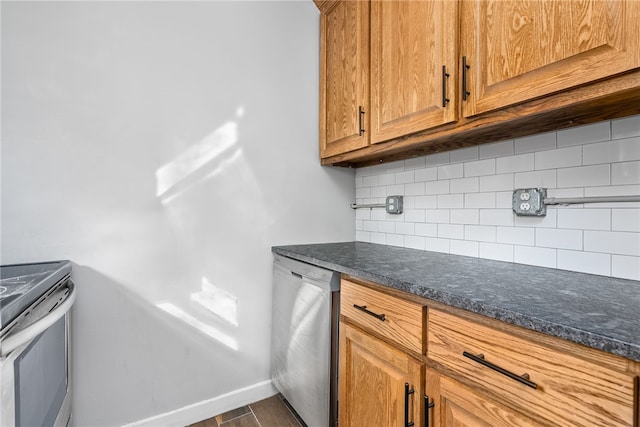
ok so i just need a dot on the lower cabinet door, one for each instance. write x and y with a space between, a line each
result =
379 384
455 405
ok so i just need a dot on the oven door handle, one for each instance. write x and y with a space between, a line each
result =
10 343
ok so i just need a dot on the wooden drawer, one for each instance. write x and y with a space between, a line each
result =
392 318
570 390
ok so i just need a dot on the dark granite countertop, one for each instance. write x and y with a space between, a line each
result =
596 311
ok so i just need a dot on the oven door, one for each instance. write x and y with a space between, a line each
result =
35 381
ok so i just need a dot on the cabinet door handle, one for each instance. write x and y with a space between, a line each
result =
360 114
445 75
370 313
465 67
524 378
407 393
427 405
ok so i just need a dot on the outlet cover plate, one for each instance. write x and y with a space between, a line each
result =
393 204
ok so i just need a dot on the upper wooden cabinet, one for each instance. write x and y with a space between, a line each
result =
413 66
344 77
521 50
401 79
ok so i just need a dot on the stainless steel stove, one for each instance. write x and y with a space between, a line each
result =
35 343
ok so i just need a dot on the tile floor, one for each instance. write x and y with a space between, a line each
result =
270 412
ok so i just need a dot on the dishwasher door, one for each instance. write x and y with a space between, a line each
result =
304 339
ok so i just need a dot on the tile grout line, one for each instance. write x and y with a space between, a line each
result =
254 416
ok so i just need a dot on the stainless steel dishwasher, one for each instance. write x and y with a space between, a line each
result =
304 339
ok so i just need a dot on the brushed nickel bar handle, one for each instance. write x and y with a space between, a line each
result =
524 378
370 313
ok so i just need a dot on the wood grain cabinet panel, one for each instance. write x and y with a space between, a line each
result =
403 320
344 77
570 390
412 44
455 405
372 378
522 50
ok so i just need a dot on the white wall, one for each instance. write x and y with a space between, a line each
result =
459 202
162 147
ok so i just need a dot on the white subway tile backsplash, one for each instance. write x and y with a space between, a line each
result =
530 144
414 242
370 181
437 187
464 247
516 235
560 158
464 185
480 233
625 173
548 221
438 216
415 215
450 201
480 200
585 219
386 227
559 238
519 163
585 262
450 171
612 242
405 228
415 189
437 159
464 216
496 217
500 182
464 154
542 257
625 220
612 151
585 176
395 240
428 230
426 202
480 168
584 134
542 179
626 127
427 174
460 202
404 177
437 245
497 149
627 267
415 163
451 231
504 200
496 251
387 179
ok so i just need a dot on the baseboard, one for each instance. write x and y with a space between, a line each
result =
206 409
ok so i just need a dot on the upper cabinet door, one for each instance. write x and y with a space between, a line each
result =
520 50
344 77
411 42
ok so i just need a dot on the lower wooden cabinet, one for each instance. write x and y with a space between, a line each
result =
454 405
379 385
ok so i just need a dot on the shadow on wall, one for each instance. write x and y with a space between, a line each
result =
126 325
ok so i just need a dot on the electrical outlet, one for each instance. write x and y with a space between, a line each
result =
393 204
530 202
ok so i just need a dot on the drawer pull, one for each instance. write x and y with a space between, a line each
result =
407 392
524 378
371 313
